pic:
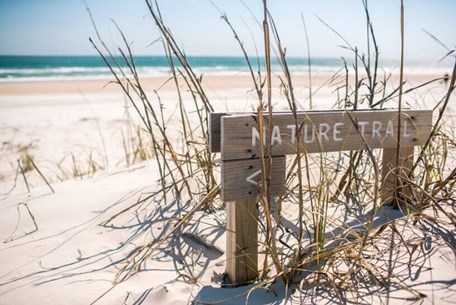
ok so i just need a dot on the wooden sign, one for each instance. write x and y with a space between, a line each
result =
237 137
322 132
241 179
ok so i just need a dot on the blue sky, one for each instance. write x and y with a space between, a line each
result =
62 27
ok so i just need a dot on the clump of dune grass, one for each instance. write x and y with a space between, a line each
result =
25 165
186 168
313 246
136 146
82 161
358 182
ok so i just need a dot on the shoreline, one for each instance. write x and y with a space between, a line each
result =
108 85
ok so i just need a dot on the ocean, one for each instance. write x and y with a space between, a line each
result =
35 68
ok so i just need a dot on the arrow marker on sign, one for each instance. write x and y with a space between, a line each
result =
253 176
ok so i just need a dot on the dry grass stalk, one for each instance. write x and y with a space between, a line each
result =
313 246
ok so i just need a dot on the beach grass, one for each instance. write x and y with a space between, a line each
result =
330 230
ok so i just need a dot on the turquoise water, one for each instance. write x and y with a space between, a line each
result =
17 68
62 67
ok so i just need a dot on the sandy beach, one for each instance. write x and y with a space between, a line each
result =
65 123
57 249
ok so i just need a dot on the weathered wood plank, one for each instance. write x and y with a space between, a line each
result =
240 176
215 125
242 241
394 175
323 132
215 129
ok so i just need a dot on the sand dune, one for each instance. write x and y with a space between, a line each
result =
56 250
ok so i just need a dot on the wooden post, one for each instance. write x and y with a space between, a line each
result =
242 241
237 138
391 185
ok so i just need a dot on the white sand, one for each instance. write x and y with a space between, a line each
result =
71 259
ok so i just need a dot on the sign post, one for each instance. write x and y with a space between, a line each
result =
237 135
242 240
